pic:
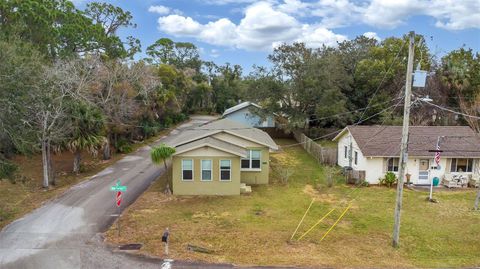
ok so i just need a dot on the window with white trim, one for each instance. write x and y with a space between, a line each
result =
225 170
345 152
206 170
253 160
356 158
392 164
461 165
187 170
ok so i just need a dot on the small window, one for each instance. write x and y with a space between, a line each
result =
225 170
255 154
461 165
253 160
187 169
356 158
246 161
206 170
392 164
345 151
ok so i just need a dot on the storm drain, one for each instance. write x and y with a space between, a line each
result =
130 247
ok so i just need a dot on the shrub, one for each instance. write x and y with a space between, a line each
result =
389 179
123 146
7 170
330 175
364 183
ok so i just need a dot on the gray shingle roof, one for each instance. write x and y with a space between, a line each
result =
227 126
457 141
214 143
240 106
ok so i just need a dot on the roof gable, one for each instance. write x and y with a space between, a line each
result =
239 107
228 126
213 143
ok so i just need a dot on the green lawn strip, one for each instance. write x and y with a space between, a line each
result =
254 229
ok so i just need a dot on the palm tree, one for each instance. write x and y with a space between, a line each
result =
87 125
161 154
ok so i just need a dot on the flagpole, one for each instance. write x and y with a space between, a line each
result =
437 161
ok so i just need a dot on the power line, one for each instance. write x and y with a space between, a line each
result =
381 82
384 126
353 111
337 131
450 110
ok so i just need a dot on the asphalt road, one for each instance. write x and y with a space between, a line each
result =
65 232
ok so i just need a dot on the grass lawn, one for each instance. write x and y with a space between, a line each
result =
327 143
255 229
22 197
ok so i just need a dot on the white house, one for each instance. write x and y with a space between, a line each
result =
246 113
376 150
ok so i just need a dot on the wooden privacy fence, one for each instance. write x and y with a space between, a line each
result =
321 154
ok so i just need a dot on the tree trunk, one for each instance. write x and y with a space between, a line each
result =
477 200
168 191
106 149
51 172
45 163
76 161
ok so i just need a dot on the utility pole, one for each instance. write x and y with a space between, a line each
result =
404 145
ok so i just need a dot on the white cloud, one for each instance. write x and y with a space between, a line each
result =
449 14
179 25
372 35
459 14
162 10
268 23
316 36
263 26
226 2
295 7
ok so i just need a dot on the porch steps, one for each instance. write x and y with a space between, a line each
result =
244 188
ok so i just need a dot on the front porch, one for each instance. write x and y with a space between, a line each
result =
461 180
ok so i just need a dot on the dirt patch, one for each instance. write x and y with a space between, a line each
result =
320 197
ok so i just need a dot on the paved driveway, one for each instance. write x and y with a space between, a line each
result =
64 233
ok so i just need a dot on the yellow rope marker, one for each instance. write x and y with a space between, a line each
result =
298 226
341 216
318 222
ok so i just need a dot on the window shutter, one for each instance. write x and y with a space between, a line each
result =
384 165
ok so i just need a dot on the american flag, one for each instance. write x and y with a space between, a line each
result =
437 155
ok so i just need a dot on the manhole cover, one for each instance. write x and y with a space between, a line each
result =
130 247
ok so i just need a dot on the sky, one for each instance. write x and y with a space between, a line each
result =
245 31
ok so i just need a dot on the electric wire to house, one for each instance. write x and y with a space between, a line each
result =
357 123
383 79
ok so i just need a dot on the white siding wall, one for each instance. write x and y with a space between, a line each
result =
246 117
342 161
375 167
374 170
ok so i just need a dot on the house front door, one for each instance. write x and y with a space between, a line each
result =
424 164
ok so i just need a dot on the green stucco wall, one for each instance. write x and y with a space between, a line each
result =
258 177
198 187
